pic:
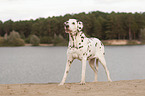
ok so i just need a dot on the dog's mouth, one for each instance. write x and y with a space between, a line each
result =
67 30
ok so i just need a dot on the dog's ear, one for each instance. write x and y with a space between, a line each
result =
80 26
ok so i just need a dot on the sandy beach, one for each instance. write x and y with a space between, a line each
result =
116 88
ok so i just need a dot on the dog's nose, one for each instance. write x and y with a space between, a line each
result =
67 26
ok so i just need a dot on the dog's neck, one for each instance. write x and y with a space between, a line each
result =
76 40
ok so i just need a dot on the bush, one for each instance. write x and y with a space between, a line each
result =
14 39
59 41
34 40
16 42
1 41
46 40
13 35
105 42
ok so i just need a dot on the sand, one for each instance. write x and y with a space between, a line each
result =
116 88
121 42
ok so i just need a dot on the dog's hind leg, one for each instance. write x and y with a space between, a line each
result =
97 65
103 62
68 64
95 69
96 78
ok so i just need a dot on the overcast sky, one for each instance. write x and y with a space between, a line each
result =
32 9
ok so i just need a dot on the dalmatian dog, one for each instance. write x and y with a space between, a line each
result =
83 48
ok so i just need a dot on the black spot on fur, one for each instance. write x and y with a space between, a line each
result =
82 37
81 34
82 40
72 38
100 47
70 61
76 34
96 44
73 23
79 43
73 45
90 56
81 46
89 50
85 53
66 71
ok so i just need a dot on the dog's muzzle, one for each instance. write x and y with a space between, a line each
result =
67 30
67 26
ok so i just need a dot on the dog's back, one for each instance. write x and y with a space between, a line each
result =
96 46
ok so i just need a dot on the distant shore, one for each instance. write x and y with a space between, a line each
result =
105 42
122 42
116 88
40 44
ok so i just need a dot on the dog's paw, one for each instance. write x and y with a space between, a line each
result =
95 81
109 80
60 84
82 83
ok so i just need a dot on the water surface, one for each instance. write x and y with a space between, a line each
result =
47 64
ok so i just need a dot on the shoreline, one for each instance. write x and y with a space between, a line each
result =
121 42
106 43
115 88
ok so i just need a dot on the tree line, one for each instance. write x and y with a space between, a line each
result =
96 24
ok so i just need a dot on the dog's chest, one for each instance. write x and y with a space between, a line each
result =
77 41
84 49
74 52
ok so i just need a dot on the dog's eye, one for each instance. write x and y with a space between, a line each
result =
73 23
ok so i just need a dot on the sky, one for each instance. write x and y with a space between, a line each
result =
32 9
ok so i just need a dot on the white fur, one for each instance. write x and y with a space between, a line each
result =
83 48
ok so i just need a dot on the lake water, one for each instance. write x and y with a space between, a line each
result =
47 64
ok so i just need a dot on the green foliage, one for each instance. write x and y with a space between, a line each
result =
59 41
7 27
142 37
14 35
34 40
46 40
14 39
2 41
96 24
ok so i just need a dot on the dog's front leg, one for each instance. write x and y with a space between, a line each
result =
68 64
83 71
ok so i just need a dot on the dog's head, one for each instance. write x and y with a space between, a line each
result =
73 26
